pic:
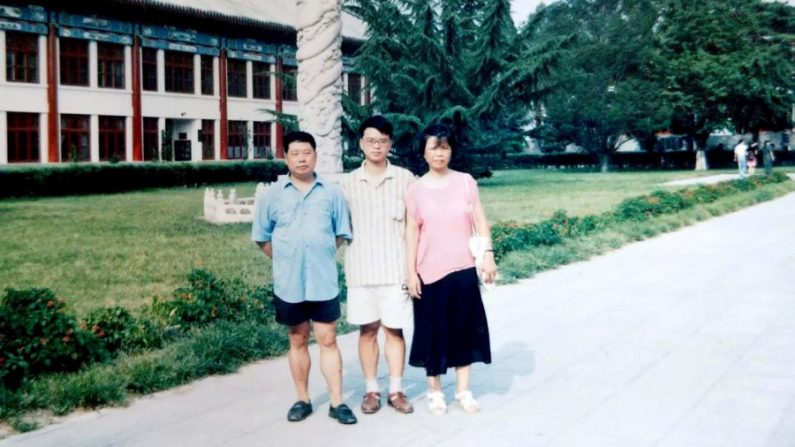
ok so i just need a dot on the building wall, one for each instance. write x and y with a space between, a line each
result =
181 112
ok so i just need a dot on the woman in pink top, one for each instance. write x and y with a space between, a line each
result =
450 328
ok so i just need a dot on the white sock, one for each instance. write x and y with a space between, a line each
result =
372 385
395 384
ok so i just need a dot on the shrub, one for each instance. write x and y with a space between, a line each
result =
207 298
37 335
60 180
118 330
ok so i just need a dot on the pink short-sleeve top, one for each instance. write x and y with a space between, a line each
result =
444 217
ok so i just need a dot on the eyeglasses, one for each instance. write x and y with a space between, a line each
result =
374 141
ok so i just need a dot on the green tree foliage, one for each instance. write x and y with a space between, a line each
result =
603 97
455 61
726 64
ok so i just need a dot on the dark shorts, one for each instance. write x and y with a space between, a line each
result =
291 314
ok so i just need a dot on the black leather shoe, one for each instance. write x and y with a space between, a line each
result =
342 414
299 411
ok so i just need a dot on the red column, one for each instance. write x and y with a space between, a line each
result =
224 119
52 95
279 108
137 119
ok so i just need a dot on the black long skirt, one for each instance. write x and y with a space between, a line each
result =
450 327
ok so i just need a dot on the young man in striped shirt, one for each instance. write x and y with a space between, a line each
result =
375 262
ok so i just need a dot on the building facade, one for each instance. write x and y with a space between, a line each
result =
87 84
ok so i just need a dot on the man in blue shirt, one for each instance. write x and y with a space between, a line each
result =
299 222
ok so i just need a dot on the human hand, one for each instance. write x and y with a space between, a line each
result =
488 268
413 285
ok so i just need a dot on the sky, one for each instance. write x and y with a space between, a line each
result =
522 8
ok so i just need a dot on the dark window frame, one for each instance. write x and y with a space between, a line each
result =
355 88
22 57
179 72
73 61
208 75
112 138
23 138
262 139
289 83
236 140
261 77
149 69
208 140
75 129
151 139
236 81
110 65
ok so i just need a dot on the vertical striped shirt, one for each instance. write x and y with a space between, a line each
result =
377 254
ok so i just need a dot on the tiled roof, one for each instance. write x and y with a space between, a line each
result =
281 13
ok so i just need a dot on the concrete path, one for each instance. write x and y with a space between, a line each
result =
683 340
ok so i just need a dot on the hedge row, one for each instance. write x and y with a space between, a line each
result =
716 159
511 236
75 179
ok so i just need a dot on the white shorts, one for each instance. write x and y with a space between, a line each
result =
390 304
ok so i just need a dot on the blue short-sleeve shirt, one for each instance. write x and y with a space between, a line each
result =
303 231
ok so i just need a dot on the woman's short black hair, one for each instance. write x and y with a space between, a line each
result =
378 123
299 136
441 132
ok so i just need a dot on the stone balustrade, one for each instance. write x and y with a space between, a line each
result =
220 210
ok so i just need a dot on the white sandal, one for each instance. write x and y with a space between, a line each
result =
436 403
466 401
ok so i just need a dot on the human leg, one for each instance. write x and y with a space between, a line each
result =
368 358
298 358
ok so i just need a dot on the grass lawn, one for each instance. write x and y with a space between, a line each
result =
126 248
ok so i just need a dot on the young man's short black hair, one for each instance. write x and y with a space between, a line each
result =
299 136
441 132
378 123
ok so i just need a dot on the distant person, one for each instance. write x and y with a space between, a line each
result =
751 156
768 156
375 262
450 327
300 222
741 158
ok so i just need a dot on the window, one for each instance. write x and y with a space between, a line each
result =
207 75
262 140
355 87
179 72
75 130
22 57
23 137
149 69
289 82
74 61
236 78
262 80
208 140
236 139
110 65
112 142
151 140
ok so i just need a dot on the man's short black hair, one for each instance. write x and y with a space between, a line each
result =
299 136
378 123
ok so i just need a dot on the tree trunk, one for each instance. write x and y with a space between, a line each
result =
604 162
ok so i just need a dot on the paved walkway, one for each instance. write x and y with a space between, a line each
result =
686 339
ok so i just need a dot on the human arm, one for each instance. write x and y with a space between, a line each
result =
263 225
412 242
488 266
